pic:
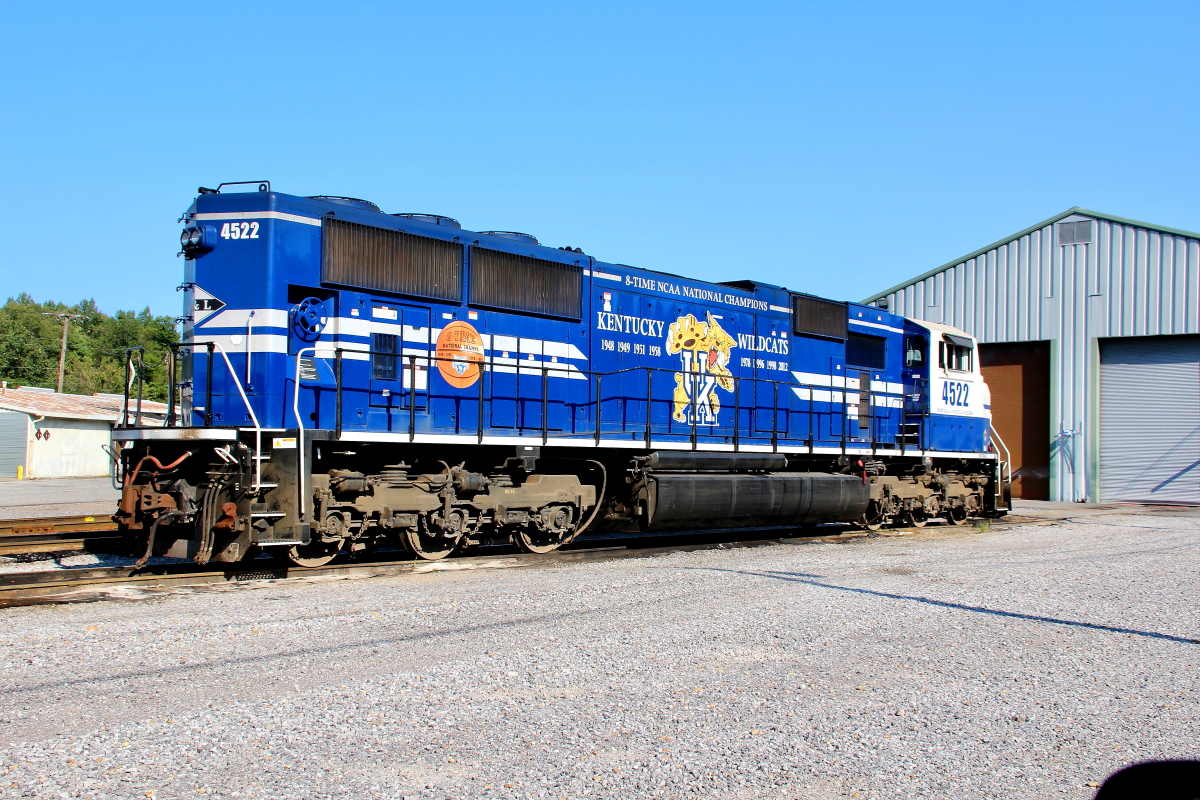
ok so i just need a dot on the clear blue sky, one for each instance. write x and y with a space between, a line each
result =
834 148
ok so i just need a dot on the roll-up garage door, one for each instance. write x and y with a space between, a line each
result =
14 440
1150 419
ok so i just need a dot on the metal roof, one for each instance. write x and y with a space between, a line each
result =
101 407
1069 212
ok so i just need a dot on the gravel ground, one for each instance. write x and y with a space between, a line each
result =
1025 662
51 562
57 497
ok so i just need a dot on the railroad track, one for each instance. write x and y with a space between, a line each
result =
89 585
53 534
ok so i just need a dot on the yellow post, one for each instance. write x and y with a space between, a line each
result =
20 472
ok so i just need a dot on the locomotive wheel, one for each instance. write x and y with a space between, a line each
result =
956 515
430 547
314 554
875 517
918 519
557 525
318 553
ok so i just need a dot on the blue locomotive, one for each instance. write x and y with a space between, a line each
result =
349 378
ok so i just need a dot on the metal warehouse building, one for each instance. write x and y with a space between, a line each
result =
1088 328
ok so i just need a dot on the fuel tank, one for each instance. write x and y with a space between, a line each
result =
683 460
676 502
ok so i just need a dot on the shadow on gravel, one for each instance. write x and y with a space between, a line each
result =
799 577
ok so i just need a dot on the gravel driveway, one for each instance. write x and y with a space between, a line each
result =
1023 662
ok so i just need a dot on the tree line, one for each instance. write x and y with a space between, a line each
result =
30 343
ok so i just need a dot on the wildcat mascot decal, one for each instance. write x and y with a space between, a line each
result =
703 349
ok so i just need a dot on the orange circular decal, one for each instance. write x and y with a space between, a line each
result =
460 354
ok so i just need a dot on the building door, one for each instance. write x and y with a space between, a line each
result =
14 442
1150 419
400 352
1018 375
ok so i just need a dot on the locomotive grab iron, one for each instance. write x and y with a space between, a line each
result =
349 378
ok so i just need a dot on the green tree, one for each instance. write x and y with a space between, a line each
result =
96 347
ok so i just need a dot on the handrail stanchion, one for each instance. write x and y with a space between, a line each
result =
482 377
599 379
1001 465
171 355
300 466
141 367
125 404
208 388
649 394
337 377
737 412
412 396
695 406
813 423
775 418
873 427
545 405
250 410
845 410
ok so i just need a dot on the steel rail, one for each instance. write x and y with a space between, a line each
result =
88 585
54 543
43 525
52 534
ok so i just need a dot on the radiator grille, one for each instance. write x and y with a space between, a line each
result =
391 261
817 317
866 351
522 283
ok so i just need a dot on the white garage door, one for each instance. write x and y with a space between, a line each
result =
1150 419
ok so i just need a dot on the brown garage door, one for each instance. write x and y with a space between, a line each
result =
1018 375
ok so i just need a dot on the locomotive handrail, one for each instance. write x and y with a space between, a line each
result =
1006 464
299 431
169 422
805 391
140 350
249 410
544 369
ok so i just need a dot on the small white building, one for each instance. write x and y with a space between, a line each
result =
44 434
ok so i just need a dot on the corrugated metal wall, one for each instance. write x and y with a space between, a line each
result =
1128 280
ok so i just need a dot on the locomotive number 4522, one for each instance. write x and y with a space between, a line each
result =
239 230
955 393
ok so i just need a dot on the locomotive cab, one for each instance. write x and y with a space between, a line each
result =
942 367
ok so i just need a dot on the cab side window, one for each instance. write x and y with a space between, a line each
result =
914 352
955 356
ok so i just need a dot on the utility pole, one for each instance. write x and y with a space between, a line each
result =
62 354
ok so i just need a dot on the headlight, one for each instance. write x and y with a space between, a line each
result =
196 240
